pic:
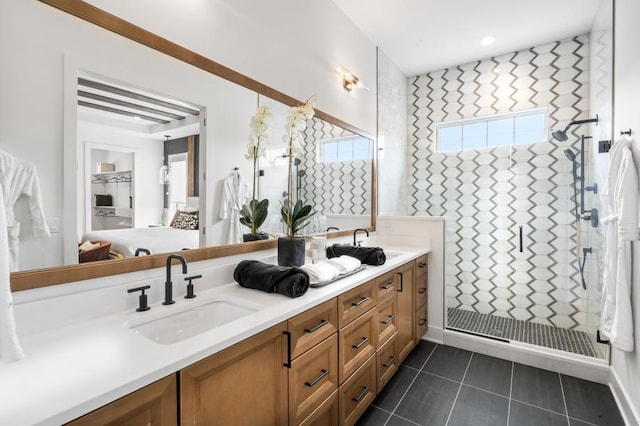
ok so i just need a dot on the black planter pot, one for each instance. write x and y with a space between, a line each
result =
254 237
291 251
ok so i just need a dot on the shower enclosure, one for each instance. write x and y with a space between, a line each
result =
515 241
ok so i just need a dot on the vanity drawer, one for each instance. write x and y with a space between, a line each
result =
358 392
355 302
386 284
312 327
357 342
386 320
387 362
326 414
313 377
422 265
422 289
421 321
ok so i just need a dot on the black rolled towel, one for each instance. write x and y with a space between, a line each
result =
290 281
368 255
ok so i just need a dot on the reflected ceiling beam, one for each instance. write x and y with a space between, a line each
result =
108 100
158 128
137 96
121 112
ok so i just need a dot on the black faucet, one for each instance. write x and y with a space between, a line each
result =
354 235
168 285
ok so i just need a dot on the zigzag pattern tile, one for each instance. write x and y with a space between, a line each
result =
350 181
488 194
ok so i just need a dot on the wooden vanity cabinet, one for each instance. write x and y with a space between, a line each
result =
321 367
406 310
155 404
245 384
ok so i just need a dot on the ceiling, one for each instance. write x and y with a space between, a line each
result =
134 110
427 35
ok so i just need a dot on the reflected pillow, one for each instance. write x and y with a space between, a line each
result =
185 220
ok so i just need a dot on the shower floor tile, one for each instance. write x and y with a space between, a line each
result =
527 332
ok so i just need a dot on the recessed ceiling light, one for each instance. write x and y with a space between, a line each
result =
487 40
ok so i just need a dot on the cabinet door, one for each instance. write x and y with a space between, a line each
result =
406 310
326 414
155 404
312 379
245 384
357 342
312 327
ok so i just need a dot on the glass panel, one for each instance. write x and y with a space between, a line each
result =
361 149
529 129
329 152
500 132
474 135
450 138
345 150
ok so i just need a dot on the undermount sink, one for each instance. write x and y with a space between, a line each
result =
182 325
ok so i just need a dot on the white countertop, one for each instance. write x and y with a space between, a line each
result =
73 369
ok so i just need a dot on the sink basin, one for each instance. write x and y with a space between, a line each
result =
177 327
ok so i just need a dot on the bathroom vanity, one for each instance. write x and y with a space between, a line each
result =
317 359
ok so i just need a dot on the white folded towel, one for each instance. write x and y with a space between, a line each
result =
88 245
10 349
320 272
344 264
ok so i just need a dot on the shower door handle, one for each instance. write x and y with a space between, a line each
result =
520 238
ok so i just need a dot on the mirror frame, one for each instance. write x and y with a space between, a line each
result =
68 273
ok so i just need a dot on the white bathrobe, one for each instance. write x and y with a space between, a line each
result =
10 349
17 178
620 195
235 193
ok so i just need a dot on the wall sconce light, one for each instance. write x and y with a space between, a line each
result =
164 173
349 80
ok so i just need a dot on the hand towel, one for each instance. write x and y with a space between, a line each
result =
320 272
344 264
286 280
10 349
368 255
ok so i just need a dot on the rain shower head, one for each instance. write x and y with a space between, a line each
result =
561 135
570 155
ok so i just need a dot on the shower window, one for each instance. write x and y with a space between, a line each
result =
345 149
523 127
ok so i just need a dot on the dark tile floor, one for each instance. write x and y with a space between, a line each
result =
441 385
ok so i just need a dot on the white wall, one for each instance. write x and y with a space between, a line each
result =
626 366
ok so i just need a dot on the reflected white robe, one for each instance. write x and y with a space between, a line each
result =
622 226
235 193
19 178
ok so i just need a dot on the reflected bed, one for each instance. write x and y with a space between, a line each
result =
158 239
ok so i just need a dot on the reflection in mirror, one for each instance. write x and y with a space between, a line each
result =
333 173
139 178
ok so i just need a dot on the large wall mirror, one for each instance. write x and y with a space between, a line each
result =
151 140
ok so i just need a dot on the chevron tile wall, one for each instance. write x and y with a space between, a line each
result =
488 195
334 188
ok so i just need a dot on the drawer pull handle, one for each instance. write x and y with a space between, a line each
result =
317 379
359 302
388 320
387 286
422 321
316 327
422 264
422 290
359 344
391 361
365 390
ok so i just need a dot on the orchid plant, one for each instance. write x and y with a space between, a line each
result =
296 214
255 213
